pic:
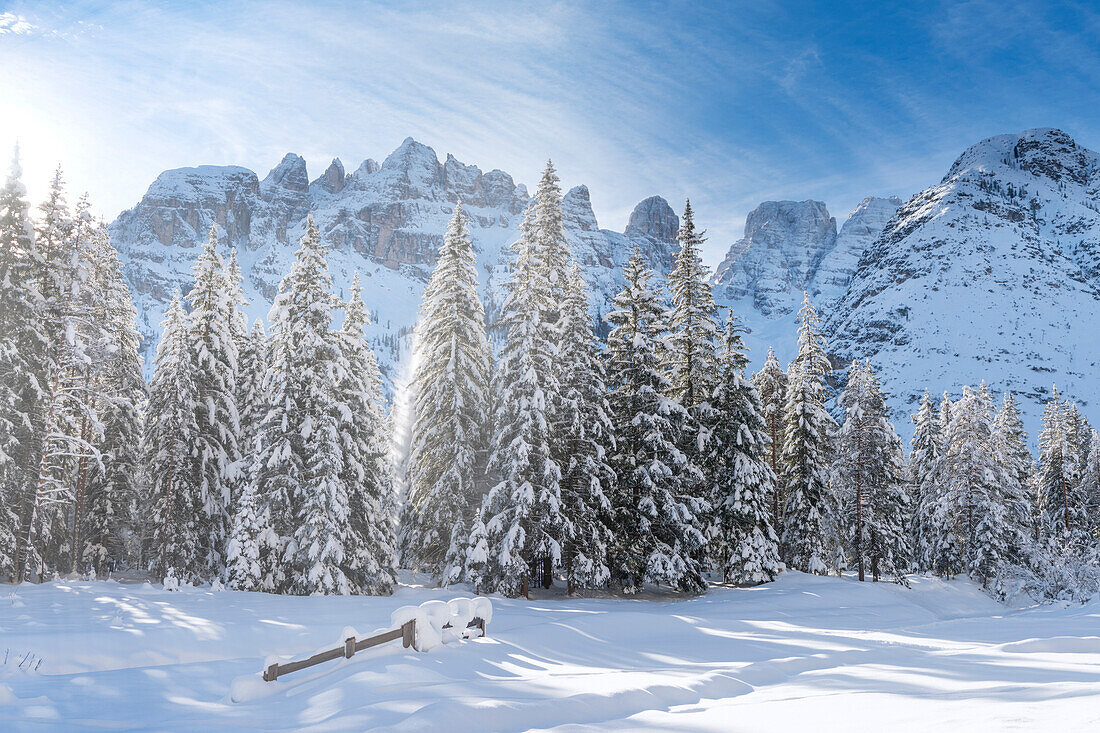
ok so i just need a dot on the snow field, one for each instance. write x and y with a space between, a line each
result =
847 656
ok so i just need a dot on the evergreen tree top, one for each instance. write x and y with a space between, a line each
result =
356 315
734 355
811 359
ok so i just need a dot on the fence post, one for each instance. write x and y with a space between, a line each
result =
408 633
271 673
349 647
481 625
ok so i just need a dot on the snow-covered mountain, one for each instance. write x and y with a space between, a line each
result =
386 221
793 246
993 273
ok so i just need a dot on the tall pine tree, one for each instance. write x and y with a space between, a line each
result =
771 384
298 473
585 424
809 517
23 350
747 547
171 425
371 549
1062 521
113 485
925 449
656 516
450 388
522 512
869 474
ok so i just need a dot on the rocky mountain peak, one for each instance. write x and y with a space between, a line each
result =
368 166
332 180
576 204
653 217
1055 155
386 222
976 277
289 175
778 256
413 171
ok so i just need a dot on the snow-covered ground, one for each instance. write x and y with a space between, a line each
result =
804 653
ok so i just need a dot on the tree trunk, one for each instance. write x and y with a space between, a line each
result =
167 514
81 483
859 505
775 470
30 508
1065 503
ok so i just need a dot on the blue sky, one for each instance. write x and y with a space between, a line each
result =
728 103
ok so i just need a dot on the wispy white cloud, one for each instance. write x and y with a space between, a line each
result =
15 24
730 104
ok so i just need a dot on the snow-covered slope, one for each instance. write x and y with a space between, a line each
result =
386 221
835 268
790 247
776 260
993 273
849 656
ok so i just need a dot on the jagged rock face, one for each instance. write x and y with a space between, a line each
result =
654 218
332 180
991 274
835 269
778 257
386 221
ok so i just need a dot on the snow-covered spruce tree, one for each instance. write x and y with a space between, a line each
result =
870 481
945 414
251 401
999 537
89 343
297 473
1017 466
1063 524
1079 434
978 532
113 483
655 512
238 322
252 544
450 390
170 429
251 551
691 353
584 422
370 553
1090 486
65 420
212 347
23 348
522 513
771 384
746 545
925 449
810 513
692 371
945 490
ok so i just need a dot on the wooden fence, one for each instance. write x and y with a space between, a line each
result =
406 633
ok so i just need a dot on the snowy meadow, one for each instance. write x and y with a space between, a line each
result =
672 541
940 655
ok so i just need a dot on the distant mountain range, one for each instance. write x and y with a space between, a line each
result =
992 273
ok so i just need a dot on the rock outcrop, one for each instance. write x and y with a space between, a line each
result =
386 221
990 274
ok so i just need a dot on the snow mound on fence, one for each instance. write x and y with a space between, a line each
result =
439 622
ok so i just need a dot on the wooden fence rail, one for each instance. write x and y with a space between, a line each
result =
406 633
